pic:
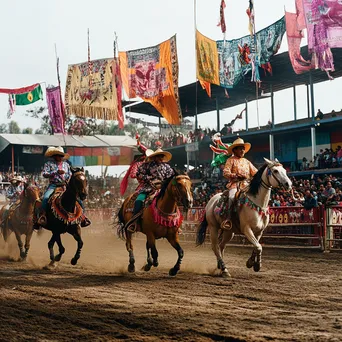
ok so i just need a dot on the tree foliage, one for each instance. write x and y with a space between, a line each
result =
13 127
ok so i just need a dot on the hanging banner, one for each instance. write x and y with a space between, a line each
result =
55 107
235 55
32 96
89 91
294 38
207 59
118 84
33 149
152 74
19 90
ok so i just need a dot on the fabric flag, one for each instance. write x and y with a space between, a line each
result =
222 22
32 96
237 58
324 25
55 107
118 84
301 25
294 38
152 74
206 86
89 92
12 107
250 13
207 59
19 90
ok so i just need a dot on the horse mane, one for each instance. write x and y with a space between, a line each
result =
256 181
167 182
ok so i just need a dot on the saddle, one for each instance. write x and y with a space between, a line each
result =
60 213
149 199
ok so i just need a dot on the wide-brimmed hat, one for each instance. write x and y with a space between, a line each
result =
56 151
158 152
239 142
16 179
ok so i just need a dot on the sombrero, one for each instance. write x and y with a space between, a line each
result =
16 179
239 142
158 152
59 151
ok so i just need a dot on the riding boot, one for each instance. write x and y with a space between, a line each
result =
135 226
85 222
42 220
226 224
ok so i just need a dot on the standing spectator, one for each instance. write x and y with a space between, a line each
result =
310 201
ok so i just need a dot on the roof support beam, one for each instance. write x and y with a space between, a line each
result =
312 97
294 103
218 114
272 105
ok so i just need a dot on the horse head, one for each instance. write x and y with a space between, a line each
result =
276 175
78 182
31 192
181 189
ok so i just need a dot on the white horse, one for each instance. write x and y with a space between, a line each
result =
252 211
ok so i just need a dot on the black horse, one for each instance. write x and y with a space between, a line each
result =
64 215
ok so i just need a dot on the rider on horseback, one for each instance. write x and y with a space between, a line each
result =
150 175
58 171
237 170
13 194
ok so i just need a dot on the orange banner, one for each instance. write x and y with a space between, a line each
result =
152 74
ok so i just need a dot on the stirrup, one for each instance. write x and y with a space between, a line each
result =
85 222
226 224
132 228
42 221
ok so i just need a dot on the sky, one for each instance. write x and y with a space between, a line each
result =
31 29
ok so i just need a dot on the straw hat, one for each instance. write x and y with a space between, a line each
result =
59 151
239 142
16 179
158 152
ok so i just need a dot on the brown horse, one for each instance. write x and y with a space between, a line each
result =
64 215
161 219
19 219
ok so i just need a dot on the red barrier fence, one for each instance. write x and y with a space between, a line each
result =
314 228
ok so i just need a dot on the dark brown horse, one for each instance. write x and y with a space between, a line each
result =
161 219
19 219
64 215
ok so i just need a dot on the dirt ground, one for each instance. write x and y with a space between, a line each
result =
297 295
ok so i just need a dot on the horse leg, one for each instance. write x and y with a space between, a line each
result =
255 259
216 249
27 242
77 237
61 248
227 236
20 245
51 243
174 241
129 247
150 244
154 253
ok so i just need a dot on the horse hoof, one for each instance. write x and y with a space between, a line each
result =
52 265
155 264
173 272
58 258
74 261
256 267
147 267
22 255
226 274
131 268
250 263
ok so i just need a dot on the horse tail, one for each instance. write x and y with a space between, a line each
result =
121 222
202 231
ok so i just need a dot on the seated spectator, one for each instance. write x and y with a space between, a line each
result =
310 201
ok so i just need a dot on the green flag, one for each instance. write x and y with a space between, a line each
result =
30 97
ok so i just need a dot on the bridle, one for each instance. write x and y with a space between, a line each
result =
174 183
270 173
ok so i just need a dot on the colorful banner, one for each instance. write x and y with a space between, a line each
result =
32 96
301 25
207 59
55 107
294 38
152 74
33 149
324 25
236 58
89 92
19 90
118 84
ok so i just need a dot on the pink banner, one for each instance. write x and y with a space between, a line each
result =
294 38
301 25
55 106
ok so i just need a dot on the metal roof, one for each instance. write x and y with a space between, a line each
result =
283 77
117 140
65 140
